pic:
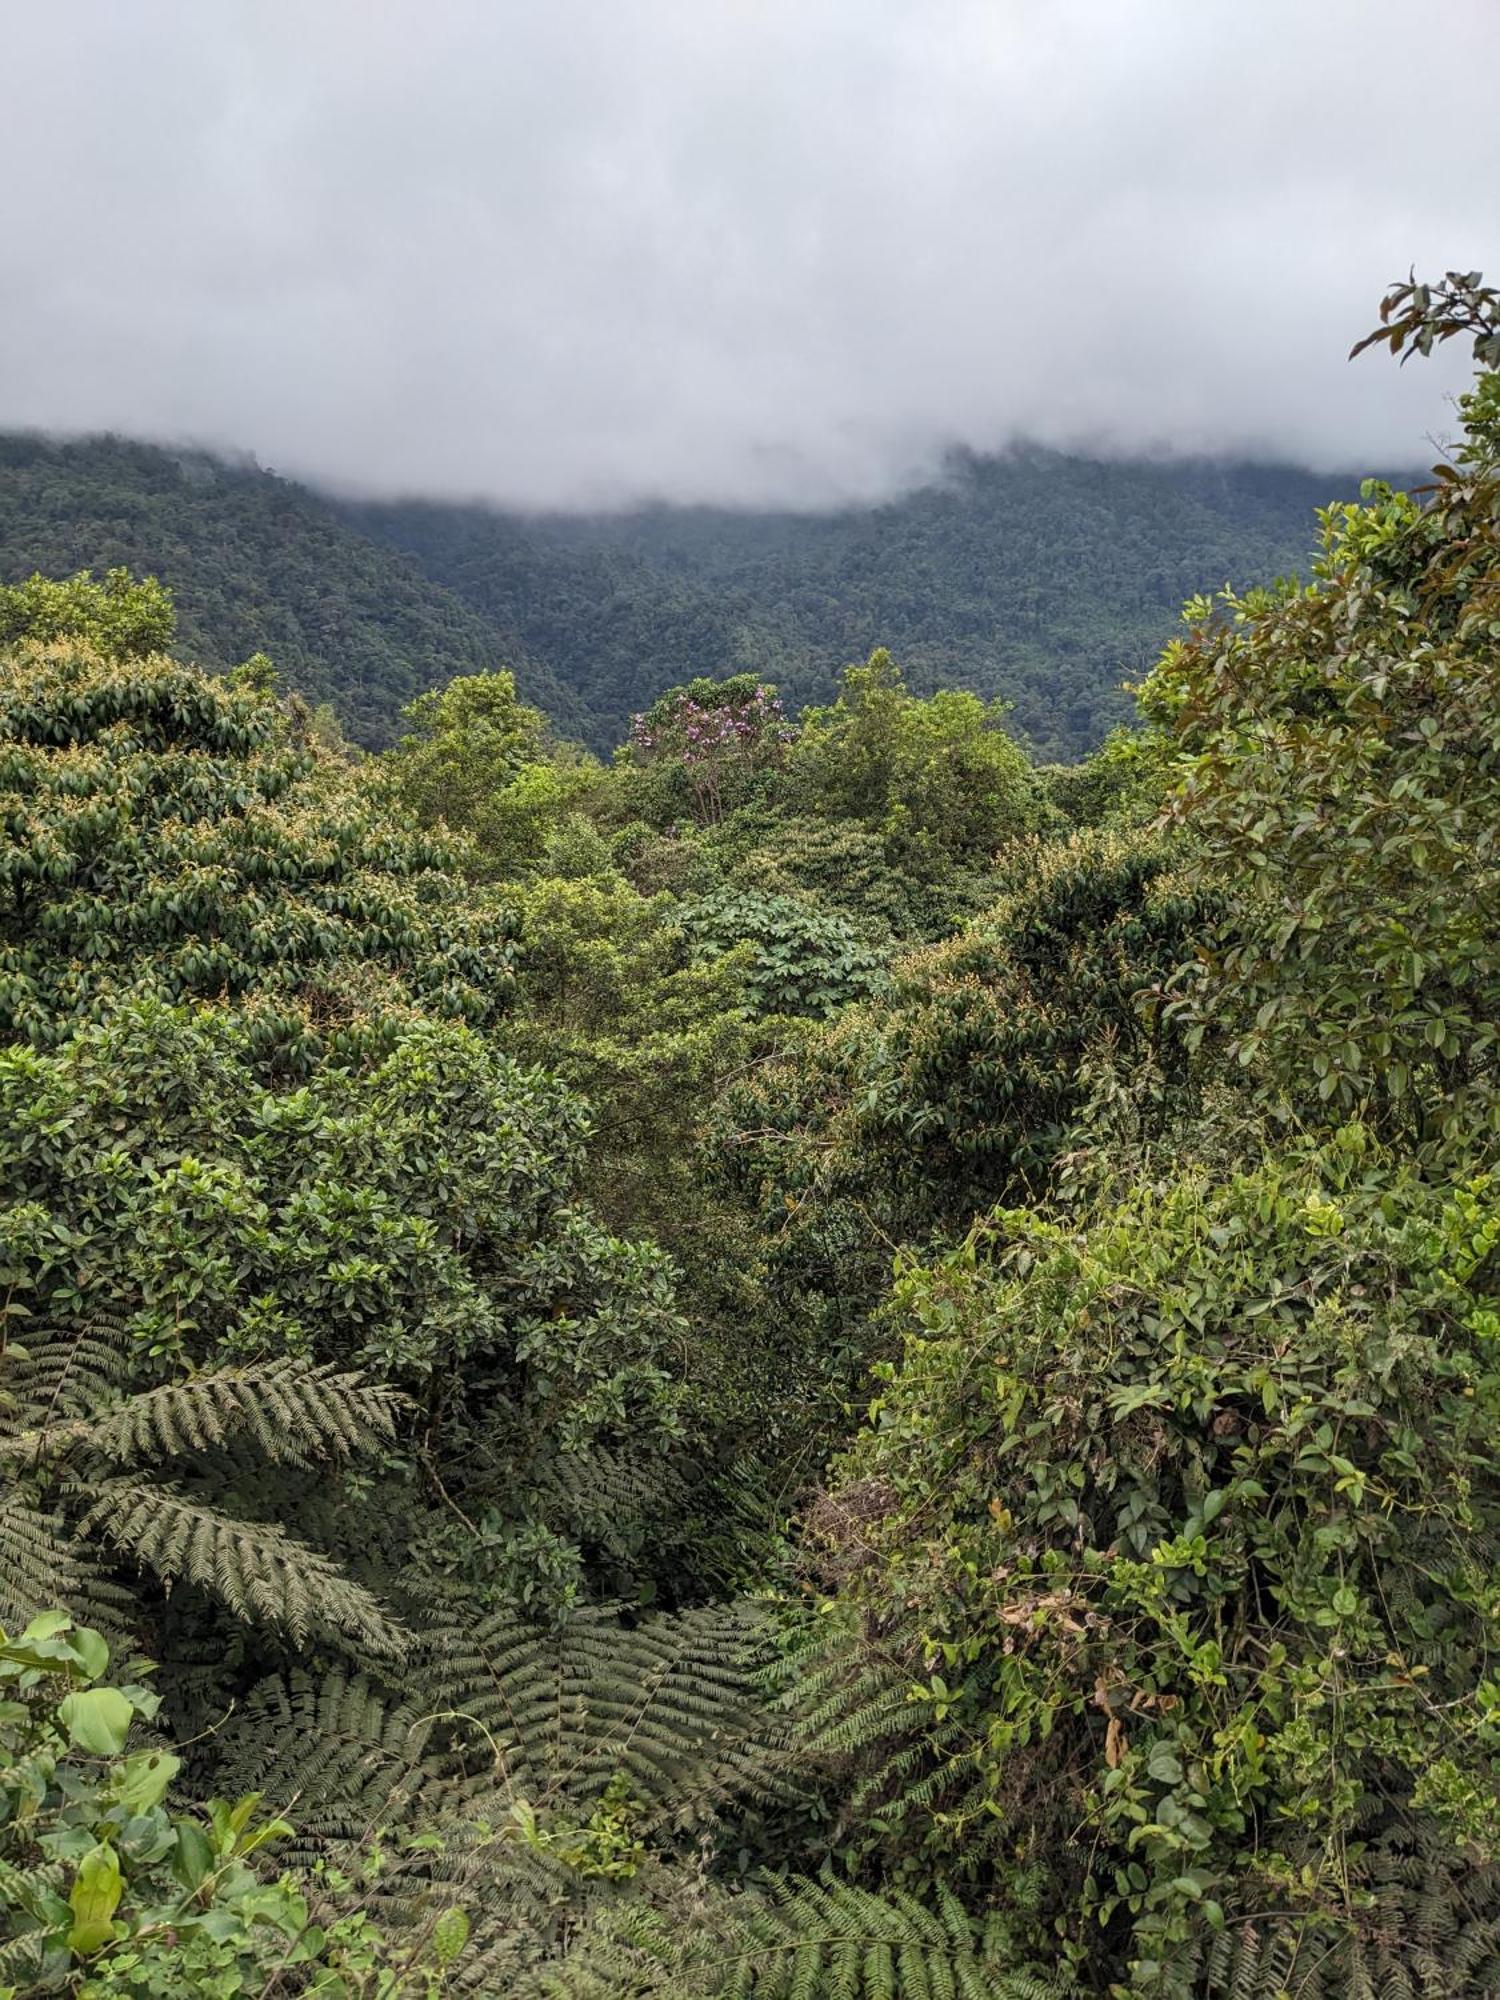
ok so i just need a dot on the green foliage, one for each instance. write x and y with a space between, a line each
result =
475 759
537 1778
834 1938
665 1714
121 618
843 866
1168 1558
1344 774
707 745
1415 318
323 1157
963 1085
406 1209
611 996
107 1890
1125 782
1428 1925
101 1478
1182 1533
938 778
800 959
1142 1641
168 834
255 565
1037 578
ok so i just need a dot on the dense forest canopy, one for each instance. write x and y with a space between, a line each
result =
1038 578
820 1362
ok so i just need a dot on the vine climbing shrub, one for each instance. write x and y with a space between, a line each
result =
1170 1552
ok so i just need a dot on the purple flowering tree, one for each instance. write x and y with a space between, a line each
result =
719 734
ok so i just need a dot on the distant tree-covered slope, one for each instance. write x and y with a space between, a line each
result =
1035 576
1044 579
255 564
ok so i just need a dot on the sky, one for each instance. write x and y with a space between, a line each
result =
574 253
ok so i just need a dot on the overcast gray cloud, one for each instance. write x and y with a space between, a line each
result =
562 251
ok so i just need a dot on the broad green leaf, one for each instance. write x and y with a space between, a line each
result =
47 1625
97 1719
92 1649
449 1936
194 1857
94 1898
142 1780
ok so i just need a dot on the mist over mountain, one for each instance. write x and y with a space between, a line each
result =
775 254
1045 579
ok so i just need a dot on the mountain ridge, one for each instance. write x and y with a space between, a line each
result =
1034 576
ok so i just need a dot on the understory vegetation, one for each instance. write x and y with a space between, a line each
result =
816 1363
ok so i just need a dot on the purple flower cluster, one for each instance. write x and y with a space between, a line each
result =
701 732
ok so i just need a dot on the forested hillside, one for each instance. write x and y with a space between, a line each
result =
1045 580
1042 579
255 564
817 1363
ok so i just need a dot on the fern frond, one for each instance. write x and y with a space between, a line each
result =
263 1574
852 1713
62 1377
41 1563
335 1755
673 1704
21 1960
811 1938
606 1495
1425 1926
292 1411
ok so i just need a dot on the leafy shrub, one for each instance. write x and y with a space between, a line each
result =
478 761
1173 1542
1341 747
406 1209
797 958
123 617
706 744
108 1891
168 834
610 997
938 777
963 1086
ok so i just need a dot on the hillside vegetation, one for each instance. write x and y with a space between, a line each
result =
1042 579
1039 578
821 1363
256 564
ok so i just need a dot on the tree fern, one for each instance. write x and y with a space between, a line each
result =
263 1574
1424 1925
808 1940
671 1703
61 1375
339 1755
70 1435
853 1715
521 1771
797 1940
38 1562
290 1412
